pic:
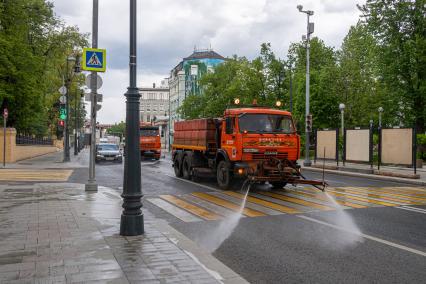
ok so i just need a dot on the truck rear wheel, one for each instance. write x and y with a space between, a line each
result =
186 168
223 175
177 166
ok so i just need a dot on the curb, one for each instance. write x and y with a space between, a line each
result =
377 177
218 270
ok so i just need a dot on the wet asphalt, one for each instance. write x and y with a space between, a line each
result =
290 249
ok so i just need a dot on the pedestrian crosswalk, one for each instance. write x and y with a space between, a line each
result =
28 175
217 205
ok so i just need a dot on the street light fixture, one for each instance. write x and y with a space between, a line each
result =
342 112
310 30
380 109
67 106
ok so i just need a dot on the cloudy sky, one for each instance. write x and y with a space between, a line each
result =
168 30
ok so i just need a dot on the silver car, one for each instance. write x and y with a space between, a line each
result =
108 152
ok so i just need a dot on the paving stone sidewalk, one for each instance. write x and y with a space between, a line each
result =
58 233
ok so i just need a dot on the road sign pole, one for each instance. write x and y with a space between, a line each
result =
132 222
91 185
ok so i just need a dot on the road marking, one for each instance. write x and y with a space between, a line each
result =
200 212
264 203
219 201
395 245
380 191
194 183
413 209
173 210
373 195
297 201
207 205
355 197
323 197
34 175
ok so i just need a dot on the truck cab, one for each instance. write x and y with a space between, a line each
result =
150 143
257 142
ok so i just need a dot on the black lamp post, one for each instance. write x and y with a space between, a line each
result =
132 222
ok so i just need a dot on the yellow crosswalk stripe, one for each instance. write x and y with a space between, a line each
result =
325 198
368 200
265 203
297 201
200 212
34 175
219 201
373 195
404 190
387 193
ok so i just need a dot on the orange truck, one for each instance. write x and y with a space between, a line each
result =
150 143
258 144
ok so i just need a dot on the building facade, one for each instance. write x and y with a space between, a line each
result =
154 102
184 79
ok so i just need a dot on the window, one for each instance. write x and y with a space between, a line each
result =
271 123
148 118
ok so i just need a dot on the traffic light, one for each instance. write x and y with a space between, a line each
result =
61 123
62 112
309 123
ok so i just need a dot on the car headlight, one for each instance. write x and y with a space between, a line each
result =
250 150
99 155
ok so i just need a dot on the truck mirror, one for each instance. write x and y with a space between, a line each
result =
229 125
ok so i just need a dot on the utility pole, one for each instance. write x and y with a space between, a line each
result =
91 185
67 109
308 121
132 222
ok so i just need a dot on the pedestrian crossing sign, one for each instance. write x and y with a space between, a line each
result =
94 59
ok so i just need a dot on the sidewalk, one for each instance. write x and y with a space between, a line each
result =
58 233
390 173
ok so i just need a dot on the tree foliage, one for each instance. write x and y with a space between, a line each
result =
34 45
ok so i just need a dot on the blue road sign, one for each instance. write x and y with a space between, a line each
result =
94 59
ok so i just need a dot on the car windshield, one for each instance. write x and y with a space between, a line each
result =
107 147
149 132
265 123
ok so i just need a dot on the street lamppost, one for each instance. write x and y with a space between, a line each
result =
132 222
380 116
67 107
342 113
310 30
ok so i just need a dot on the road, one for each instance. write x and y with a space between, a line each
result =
296 235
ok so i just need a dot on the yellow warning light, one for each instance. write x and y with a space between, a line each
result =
237 101
240 171
278 104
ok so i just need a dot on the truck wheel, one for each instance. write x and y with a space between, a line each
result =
278 184
186 168
223 175
177 167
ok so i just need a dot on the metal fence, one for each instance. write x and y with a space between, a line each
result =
30 140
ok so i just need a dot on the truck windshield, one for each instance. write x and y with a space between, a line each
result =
149 132
265 123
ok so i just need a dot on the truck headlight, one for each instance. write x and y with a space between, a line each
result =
250 150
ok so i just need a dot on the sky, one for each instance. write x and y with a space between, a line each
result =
168 30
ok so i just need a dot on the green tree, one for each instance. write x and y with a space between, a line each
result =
33 47
399 27
261 79
323 88
117 128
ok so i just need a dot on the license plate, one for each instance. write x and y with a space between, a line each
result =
109 158
270 153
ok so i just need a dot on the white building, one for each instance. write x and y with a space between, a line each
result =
154 102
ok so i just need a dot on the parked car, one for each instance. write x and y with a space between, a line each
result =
108 152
